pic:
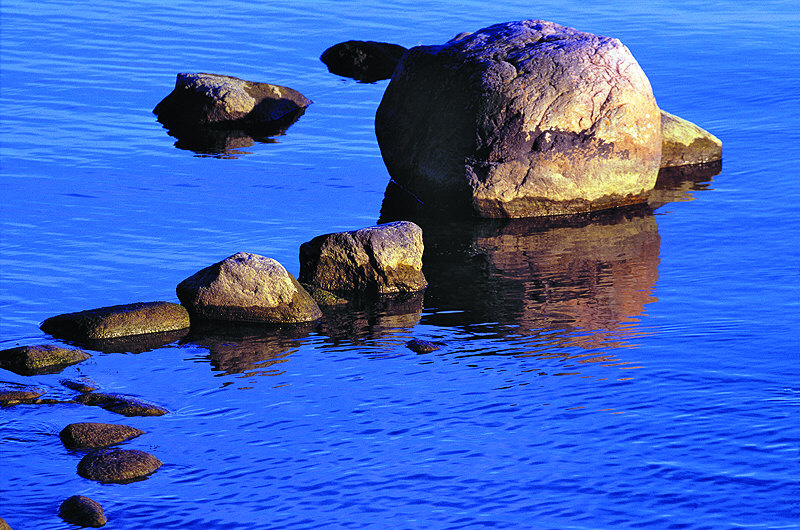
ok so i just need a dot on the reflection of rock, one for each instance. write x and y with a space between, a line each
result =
591 272
237 348
365 61
370 318
133 343
674 184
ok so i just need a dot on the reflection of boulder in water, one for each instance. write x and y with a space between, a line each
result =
590 273
369 318
674 184
228 143
255 349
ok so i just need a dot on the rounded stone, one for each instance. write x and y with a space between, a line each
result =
91 435
82 511
42 358
121 404
247 288
521 119
117 465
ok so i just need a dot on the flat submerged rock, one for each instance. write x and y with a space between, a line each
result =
118 321
42 358
121 404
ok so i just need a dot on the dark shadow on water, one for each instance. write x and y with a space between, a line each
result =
218 142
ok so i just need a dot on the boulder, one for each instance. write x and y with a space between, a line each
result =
521 119
380 259
118 321
94 435
247 288
366 61
117 465
41 358
121 404
684 143
82 511
213 100
11 394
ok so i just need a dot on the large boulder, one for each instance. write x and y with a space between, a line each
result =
41 358
82 511
117 465
366 61
91 435
684 143
379 259
521 119
118 321
247 288
213 100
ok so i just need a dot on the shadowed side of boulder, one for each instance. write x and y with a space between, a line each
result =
118 321
93 435
380 259
684 143
247 288
82 511
117 465
42 358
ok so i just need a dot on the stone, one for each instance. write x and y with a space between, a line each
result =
82 511
366 61
91 435
11 394
118 321
81 384
213 100
121 404
323 297
117 465
521 119
247 288
422 346
41 358
684 143
381 259
4 525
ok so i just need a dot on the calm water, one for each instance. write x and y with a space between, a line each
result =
638 370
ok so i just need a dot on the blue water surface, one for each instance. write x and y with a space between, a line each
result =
633 370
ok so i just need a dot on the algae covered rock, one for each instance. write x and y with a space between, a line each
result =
121 404
42 358
118 321
379 259
521 119
684 143
12 394
117 465
213 100
90 435
247 288
82 511
366 61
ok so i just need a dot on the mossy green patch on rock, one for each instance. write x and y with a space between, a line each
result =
684 143
117 465
42 358
118 321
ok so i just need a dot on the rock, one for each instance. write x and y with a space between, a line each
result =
118 321
117 465
4 525
121 404
94 435
684 143
134 343
521 119
366 61
422 346
42 358
11 394
376 260
323 297
247 288
82 384
82 511
212 100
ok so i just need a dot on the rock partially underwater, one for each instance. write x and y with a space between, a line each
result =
117 465
92 435
39 359
82 511
684 143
